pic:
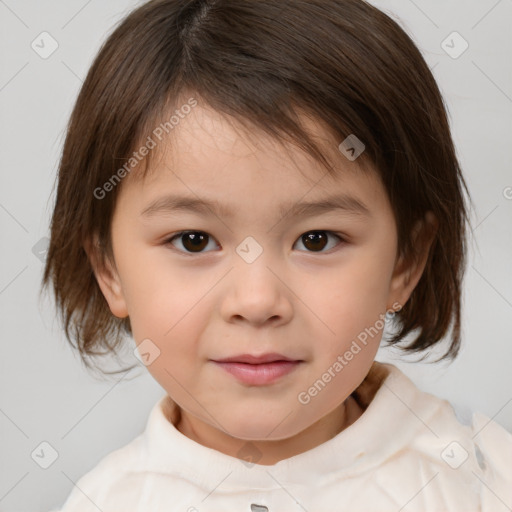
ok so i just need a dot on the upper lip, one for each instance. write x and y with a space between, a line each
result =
252 359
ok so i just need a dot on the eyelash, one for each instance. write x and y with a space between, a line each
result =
169 240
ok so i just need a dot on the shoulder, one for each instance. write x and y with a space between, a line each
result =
469 462
116 473
493 448
453 464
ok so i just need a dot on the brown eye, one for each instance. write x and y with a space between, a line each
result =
316 241
194 242
191 241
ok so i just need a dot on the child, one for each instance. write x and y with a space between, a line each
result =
301 149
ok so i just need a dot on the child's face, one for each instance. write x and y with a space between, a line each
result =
307 299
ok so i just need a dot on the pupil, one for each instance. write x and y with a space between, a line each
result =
197 240
315 240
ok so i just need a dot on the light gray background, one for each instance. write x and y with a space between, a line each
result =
46 395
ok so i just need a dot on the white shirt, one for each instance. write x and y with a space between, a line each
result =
407 452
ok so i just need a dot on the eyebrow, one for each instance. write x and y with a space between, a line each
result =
173 203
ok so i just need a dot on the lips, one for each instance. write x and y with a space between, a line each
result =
258 370
256 359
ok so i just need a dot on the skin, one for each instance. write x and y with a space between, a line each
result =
304 303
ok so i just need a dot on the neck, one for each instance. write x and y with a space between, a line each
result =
271 451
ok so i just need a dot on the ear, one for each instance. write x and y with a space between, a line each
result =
107 278
408 271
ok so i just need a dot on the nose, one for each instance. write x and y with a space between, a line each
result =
257 293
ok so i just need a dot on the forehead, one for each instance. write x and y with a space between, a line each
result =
206 132
211 155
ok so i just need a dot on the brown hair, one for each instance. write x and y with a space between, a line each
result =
346 63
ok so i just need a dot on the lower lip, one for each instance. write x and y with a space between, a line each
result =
259 374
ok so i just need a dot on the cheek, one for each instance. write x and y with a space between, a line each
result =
368 277
157 292
351 300
174 331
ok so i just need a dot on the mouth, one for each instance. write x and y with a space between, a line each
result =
257 359
258 370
